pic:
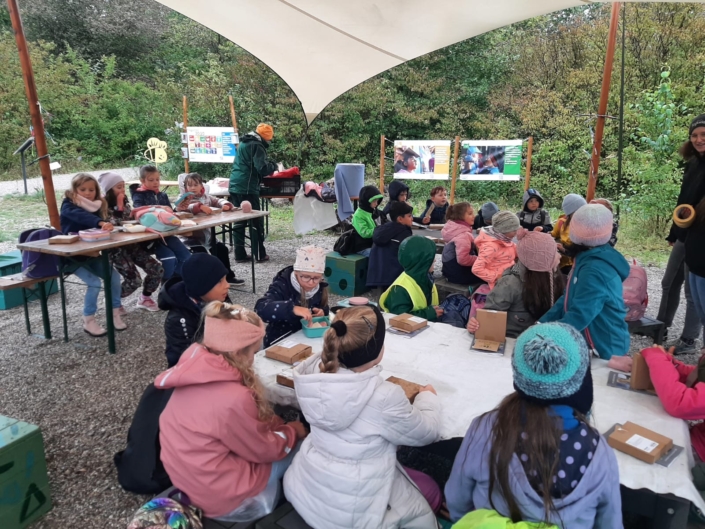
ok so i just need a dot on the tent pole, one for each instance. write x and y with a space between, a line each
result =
455 170
186 167
232 113
529 150
620 150
30 89
381 163
604 96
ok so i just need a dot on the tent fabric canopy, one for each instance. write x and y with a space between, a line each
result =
323 48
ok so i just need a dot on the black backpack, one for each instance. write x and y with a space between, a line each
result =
139 466
345 245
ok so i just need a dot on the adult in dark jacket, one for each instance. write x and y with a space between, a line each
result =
251 165
383 267
297 292
204 281
692 192
398 192
484 216
695 235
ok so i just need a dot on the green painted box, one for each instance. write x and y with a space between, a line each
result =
11 263
24 483
346 275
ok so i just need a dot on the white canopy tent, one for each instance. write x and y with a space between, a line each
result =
322 48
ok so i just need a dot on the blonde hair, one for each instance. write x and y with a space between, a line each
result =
458 211
236 359
361 323
80 179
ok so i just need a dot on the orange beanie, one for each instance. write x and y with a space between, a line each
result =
265 131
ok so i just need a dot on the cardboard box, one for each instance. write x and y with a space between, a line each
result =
639 442
289 352
410 388
184 214
286 378
63 239
493 330
641 378
408 322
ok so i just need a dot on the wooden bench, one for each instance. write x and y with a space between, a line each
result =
446 288
29 294
649 327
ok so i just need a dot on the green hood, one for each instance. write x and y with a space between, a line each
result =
416 254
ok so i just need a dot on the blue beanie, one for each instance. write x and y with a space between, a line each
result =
551 365
201 272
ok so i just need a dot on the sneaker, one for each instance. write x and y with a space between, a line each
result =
122 311
91 326
117 321
147 303
235 281
684 347
247 259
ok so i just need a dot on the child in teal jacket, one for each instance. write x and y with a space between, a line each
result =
366 219
593 301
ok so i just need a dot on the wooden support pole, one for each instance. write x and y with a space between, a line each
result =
30 89
529 150
381 163
232 113
455 169
186 167
604 96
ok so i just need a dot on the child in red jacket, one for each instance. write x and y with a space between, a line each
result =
681 389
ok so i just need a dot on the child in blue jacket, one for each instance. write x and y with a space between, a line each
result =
171 252
84 208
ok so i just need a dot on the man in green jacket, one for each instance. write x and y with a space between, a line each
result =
250 167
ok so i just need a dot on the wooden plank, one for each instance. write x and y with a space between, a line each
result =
18 280
123 239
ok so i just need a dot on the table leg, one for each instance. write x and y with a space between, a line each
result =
45 309
62 287
26 310
214 240
108 289
252 261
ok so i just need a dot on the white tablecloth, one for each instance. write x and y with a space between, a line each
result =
470 383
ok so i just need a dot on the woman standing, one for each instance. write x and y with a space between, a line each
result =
677 271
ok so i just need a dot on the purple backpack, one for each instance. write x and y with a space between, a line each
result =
34 264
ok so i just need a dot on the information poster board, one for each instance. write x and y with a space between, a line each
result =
422 159
490 160
212 144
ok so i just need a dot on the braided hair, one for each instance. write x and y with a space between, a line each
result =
351 330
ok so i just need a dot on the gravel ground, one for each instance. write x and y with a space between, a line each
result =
83 398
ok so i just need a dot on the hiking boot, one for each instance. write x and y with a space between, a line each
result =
122 311
247 259
147 303
117 321
235 281
264 259
684 347
91 327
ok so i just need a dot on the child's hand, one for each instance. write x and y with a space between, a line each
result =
106 226
299 428
120 199
317 312
621 363
538 228
439 311
560 247
430 388
227 207
426 220
206 210
303 312
473 325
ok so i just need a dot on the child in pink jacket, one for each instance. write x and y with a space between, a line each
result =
221 444
496 251
459 253
681 389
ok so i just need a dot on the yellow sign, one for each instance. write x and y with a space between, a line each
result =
156 151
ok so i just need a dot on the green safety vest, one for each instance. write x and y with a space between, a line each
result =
487 519
414 290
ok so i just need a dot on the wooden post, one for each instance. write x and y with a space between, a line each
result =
232 113
186 168
30 89
455 169
604 96
381 163
529 150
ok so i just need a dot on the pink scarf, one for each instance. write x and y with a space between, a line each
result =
88 205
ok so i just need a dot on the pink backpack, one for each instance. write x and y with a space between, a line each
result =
636 297
478 299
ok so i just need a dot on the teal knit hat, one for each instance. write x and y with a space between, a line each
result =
550 362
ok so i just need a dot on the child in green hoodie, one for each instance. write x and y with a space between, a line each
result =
413 292
366 219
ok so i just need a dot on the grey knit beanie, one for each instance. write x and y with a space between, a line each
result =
591 225
505 222
109 180
550 361
488 210
572 203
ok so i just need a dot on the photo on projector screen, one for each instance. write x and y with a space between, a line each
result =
490 160
422 159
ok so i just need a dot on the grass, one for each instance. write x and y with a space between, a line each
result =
21 212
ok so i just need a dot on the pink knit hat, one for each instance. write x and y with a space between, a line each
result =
537 251
230 335
591 225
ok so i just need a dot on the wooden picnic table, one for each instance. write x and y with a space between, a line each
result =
69 252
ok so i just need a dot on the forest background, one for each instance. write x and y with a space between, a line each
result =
109 80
